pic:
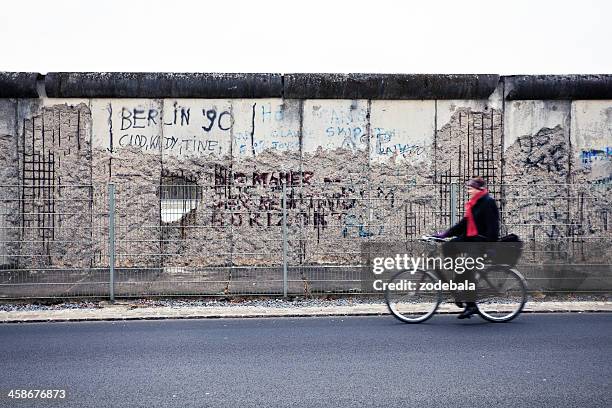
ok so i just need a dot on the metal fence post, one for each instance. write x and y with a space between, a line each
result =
285 240
111 239
454 193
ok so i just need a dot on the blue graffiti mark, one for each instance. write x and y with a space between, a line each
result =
285 145
280 133
343 131
267 114
343 117
403 149
603 181
261 145
258 146
350 222
384 136
592 155
363 233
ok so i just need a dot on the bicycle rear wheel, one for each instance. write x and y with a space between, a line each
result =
408 298
501 293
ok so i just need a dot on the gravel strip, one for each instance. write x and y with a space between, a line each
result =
274 303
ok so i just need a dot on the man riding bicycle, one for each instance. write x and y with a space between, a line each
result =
479 224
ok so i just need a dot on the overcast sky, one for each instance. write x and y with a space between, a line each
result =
511 37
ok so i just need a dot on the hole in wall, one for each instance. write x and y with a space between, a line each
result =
178 196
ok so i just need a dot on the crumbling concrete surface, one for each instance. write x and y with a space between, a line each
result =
199 184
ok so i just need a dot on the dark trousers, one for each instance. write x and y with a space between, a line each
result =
463 246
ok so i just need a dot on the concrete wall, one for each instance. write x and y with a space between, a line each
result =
377 166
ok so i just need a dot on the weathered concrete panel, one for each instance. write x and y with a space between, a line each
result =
537 152
9 161
335 124
591 140
536 141
402 132
266 156
197 128
127 143
527 118
233 198
201 131
468 141
335 158
401 155
127 124
591 170
54 148
467 144
266 125
10 194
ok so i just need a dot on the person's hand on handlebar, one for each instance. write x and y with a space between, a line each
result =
435 238
441 234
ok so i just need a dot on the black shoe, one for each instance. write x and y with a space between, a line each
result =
468 312
460 304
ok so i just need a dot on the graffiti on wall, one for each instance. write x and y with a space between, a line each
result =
254 199
334 125
589 156
272 126
388 144
347 127
181 130
322 202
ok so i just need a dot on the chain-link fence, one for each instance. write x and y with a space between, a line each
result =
280 238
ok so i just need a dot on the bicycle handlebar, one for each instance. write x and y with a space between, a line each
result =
431 238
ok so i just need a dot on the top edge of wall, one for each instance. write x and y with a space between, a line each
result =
162 85
389 86
555 87
18 84
302 85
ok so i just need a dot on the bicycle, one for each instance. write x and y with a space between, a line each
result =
501 292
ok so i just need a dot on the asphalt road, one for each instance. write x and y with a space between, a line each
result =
554 360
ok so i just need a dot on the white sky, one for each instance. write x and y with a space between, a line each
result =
426 36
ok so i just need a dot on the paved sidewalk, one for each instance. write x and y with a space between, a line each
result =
119 311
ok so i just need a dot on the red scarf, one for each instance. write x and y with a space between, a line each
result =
472 231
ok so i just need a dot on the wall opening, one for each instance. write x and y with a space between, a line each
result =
179 197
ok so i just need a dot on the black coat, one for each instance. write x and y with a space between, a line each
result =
486 217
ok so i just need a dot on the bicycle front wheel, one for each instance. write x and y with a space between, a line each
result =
501 293
411 298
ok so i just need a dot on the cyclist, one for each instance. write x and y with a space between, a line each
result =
480 224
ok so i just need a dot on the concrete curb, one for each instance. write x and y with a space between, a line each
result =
126 312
